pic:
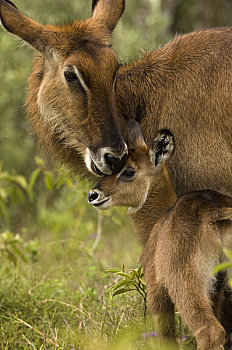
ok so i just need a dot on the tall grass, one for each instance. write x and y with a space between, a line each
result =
55 292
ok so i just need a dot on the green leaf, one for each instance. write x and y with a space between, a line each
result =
48 180
5 212
142 280
34 176
123 290
224 265
39 162
21 181
228 253
140 271
17 195
18 252
17 179
134 274
230 281
123 274
113 270
5 177
3 193
12 257
120 284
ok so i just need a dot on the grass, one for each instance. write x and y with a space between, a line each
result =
60 292
55 292
68 305
63 307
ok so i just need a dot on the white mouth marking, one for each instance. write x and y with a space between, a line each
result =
88 160
98 204
104 204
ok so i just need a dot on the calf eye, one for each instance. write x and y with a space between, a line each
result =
70 76
128 173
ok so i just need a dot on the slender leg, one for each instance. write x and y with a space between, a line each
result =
192 301
218 295
162 307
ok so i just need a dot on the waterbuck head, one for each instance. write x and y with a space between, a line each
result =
71 99
143 169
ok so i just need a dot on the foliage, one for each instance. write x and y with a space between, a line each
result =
36 307
57 280
225 265
9 245
132 281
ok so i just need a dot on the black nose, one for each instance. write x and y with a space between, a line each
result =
92 196
115 164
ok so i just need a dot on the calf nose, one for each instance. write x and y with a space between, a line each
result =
115 164
92 196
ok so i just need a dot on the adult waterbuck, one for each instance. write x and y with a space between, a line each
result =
80 99
182 239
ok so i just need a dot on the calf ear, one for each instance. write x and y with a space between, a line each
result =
108 12
135 135
163 147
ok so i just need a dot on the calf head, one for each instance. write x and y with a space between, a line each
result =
144 167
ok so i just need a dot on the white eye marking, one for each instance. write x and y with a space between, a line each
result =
81 80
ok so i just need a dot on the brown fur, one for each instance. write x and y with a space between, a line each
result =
184 86
182 242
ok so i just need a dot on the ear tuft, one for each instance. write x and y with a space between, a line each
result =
163 146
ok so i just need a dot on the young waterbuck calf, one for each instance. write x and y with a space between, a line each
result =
182 239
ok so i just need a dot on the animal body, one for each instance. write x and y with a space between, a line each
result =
182 239
80 98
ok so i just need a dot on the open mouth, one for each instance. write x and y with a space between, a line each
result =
101 203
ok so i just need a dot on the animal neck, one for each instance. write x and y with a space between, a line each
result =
161 196
139 84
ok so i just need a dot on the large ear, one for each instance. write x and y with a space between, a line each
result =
108 12
19 24
135 135
163 146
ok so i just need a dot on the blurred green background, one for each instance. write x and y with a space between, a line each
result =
53 245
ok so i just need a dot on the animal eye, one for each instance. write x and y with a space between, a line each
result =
128 173
70 76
